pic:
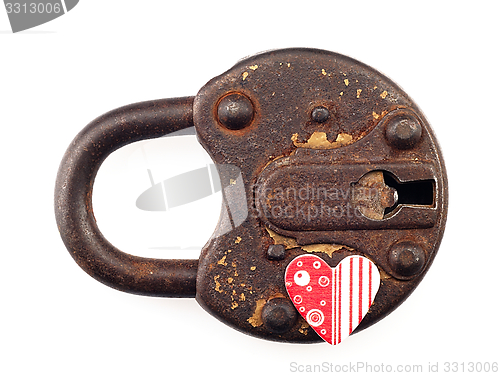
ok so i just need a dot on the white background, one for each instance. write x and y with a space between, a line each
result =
56 78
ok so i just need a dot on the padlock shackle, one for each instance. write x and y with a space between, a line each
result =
73 200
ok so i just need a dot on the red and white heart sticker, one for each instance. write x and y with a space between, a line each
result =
333 301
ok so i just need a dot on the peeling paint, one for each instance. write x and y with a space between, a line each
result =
329 249
256 319
303 328
383 274
283 240
289 243
319 140
217 283
222 261
343 139
378 116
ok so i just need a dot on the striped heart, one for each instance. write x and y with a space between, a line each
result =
332 301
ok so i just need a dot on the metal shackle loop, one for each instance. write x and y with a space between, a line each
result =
73 200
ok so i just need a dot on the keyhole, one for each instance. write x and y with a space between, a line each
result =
419 192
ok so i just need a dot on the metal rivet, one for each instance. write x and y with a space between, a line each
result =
406 258
276 252
235 111
279 315
403 132
320 114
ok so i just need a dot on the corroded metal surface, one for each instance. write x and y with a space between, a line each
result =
73 200
321 123
316 152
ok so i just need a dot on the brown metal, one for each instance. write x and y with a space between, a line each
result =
302 195
235 111
371 196
321 120
295 120
73 200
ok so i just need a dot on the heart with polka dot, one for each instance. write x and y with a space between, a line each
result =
332 301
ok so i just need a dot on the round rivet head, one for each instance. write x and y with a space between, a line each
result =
279 315
320 114
403 131
235 111
276 252
407 258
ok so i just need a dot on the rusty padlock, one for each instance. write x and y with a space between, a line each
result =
307 133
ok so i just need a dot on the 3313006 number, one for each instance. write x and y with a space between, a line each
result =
470 367
33 8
